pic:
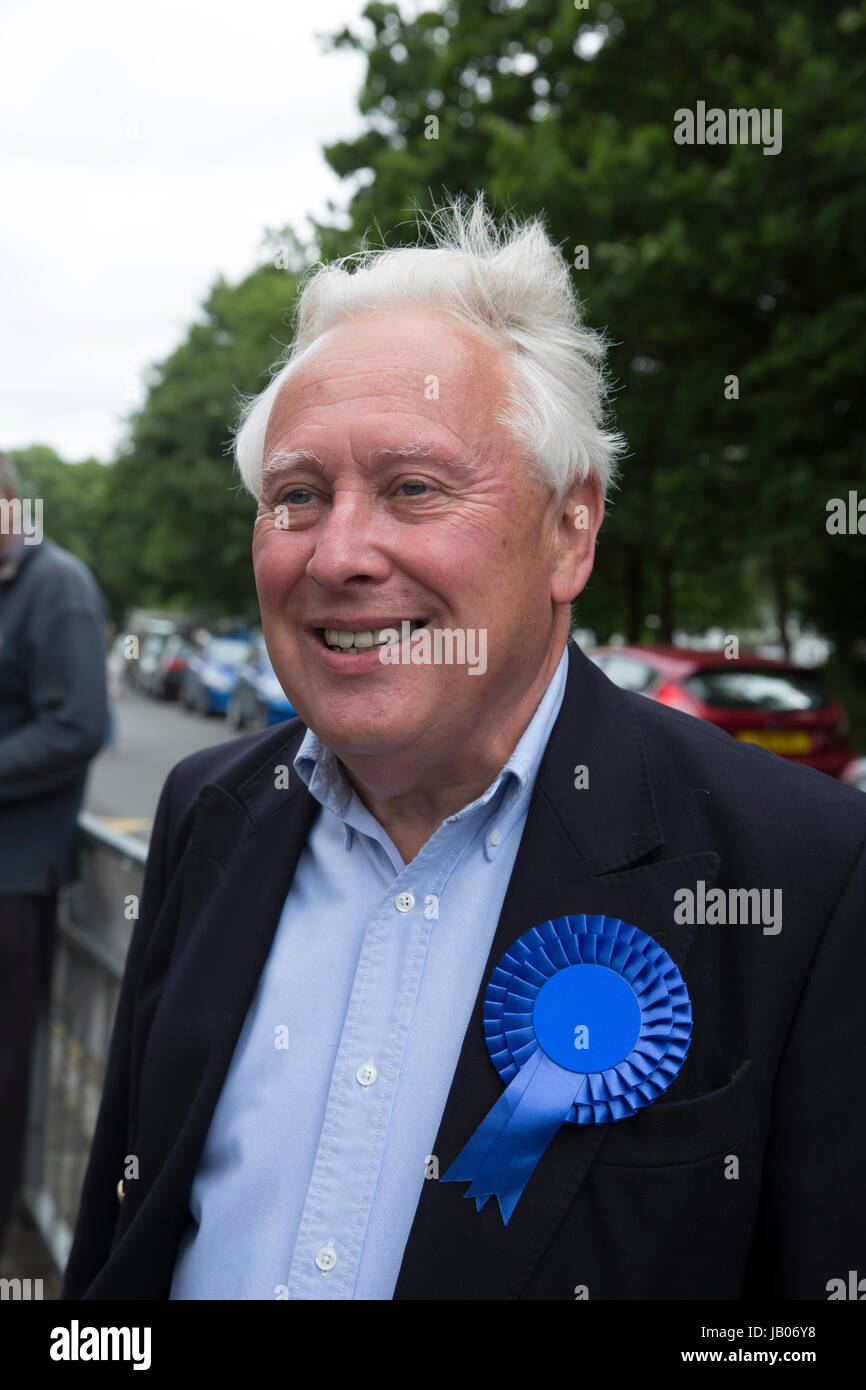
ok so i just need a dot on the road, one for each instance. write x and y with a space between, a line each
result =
126 779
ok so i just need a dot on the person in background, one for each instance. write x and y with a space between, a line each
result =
52 722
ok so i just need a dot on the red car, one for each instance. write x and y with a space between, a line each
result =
772 703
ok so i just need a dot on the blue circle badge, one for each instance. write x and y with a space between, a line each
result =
587 1019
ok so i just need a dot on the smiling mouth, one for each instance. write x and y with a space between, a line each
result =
342 640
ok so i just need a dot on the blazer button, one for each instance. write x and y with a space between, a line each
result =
120 1191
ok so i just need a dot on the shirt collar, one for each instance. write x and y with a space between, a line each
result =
325 779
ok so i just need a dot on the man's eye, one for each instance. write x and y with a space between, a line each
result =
415 483
296 495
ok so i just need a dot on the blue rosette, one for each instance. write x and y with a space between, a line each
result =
587 1019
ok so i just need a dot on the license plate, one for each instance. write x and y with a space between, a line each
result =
778 740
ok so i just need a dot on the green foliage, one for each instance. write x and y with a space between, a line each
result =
74 499
181 520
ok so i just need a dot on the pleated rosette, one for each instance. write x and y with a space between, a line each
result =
665 1010
586 1019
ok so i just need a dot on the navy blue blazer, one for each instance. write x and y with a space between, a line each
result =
652 1207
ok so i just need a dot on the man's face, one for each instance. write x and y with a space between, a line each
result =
365 539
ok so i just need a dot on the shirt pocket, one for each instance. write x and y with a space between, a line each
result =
685 1131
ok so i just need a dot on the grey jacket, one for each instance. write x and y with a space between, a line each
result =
52 712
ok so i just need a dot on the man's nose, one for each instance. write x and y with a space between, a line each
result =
348 543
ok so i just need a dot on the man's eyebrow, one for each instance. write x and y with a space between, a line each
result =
425 449
285 459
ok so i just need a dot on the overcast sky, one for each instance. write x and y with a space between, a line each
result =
144 150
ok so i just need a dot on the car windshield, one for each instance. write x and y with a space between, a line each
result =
625 671
784 691
225 652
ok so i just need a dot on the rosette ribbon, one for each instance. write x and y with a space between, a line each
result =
587 1019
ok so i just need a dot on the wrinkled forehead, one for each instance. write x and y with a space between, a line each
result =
434 373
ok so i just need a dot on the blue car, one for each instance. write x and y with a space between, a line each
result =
211 677
258 699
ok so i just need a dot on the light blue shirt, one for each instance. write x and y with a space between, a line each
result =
323 1134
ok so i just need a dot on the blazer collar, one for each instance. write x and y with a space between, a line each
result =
611 820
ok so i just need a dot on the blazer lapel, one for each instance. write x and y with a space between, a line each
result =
578 854
243 854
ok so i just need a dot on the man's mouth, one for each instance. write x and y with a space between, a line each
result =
343 640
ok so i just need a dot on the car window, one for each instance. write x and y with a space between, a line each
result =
626 671
226 652
785 691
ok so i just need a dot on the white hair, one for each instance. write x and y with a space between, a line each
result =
509 282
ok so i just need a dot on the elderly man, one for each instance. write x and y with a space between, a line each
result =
432 933
52 721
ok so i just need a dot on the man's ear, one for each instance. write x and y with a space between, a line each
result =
581 513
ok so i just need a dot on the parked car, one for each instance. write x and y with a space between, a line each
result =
772 703
167 679
210 676
151 634
152 648
258 699
855 773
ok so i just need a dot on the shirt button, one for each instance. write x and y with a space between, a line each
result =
404 902
494 837
326 1258
366 1074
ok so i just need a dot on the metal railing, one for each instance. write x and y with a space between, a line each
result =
95 921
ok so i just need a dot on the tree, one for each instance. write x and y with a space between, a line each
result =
179 521
73 497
